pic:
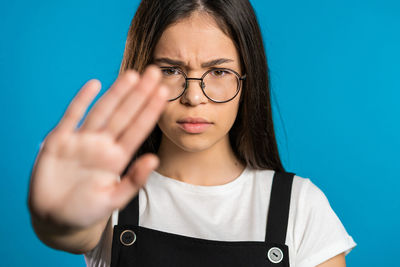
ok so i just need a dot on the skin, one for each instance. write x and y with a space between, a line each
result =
75 184
337 261
206 158
203 158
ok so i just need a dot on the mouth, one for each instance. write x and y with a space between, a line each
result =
197 127
194 125
193 120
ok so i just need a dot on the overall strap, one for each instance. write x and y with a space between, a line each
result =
130 214
278 212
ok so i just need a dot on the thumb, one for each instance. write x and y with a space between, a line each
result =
134 179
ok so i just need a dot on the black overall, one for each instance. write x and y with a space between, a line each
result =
136 246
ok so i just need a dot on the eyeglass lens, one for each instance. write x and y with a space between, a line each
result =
219 85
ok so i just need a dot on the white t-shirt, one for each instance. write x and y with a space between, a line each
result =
236 211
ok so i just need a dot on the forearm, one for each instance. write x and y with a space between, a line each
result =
67 239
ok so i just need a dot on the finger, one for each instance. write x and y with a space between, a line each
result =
135 178
105 106
141 127
134 102
79 105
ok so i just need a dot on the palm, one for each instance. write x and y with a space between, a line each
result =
81 174
75 180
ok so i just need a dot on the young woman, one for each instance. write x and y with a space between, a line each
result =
177 163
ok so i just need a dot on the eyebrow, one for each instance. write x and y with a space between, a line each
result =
207 64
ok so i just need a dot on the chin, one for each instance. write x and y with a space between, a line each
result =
194 143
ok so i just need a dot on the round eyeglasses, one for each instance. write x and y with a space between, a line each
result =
220 85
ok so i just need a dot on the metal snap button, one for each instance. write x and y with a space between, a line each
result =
127 237
275 255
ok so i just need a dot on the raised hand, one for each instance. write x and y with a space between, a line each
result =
75 179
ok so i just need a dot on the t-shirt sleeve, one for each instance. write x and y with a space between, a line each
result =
320 234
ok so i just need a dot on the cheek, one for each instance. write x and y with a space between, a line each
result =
164 119
167 122
230 111
227 117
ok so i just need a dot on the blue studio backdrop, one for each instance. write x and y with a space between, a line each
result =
334 69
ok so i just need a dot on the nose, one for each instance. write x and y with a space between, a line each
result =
193 94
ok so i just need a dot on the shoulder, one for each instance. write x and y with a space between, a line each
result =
314 229
306 198
303 189
307 194
309 204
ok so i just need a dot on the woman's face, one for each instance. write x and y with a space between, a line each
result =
194 41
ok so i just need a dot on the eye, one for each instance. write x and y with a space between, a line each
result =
170 71
219 72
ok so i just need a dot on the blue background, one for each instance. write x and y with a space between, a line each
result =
334 69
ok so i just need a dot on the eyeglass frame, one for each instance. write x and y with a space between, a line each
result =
239 78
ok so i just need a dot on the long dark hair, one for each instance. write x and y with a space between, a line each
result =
252 135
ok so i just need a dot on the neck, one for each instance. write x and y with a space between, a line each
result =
215 165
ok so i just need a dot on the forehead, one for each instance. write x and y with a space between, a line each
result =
196 39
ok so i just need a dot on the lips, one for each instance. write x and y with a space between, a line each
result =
194 125
193 120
